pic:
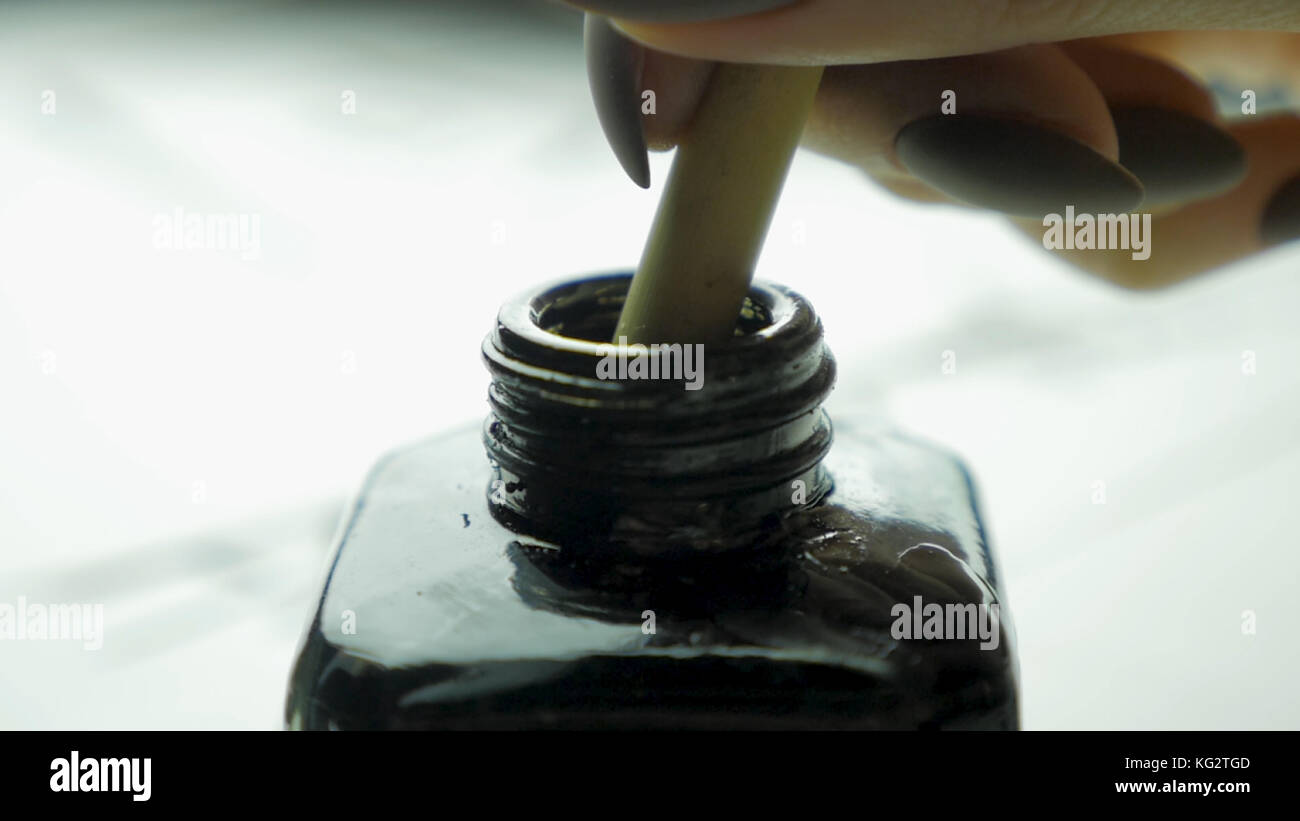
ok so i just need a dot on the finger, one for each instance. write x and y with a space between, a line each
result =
1169 130
676 85
679 11
643 98
1262 211
1164 120
1023 131
859 31
1265 62
613 74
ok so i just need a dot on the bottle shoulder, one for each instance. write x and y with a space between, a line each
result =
425 579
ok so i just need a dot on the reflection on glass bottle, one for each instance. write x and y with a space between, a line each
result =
637 554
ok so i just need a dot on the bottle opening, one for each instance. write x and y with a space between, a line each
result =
588 310
639 456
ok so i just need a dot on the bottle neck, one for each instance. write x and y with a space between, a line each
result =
653 451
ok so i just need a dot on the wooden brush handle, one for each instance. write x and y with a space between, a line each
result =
724 184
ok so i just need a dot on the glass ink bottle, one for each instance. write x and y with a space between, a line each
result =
635 554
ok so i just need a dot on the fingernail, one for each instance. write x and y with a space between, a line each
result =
1177 157
678 11
1281 221
613 72
1014 167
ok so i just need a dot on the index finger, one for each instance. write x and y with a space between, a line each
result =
867 31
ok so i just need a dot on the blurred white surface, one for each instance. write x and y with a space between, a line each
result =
179 428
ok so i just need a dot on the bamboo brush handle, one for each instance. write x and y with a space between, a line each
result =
717 205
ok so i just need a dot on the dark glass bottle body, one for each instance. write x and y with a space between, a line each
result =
634 554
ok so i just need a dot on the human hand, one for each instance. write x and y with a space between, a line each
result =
1020 106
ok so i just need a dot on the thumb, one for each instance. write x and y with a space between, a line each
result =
867 31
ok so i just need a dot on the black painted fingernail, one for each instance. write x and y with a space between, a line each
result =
1177 157
679 11
613 72
1281 221
1015 167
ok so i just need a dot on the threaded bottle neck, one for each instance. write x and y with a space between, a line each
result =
661 450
